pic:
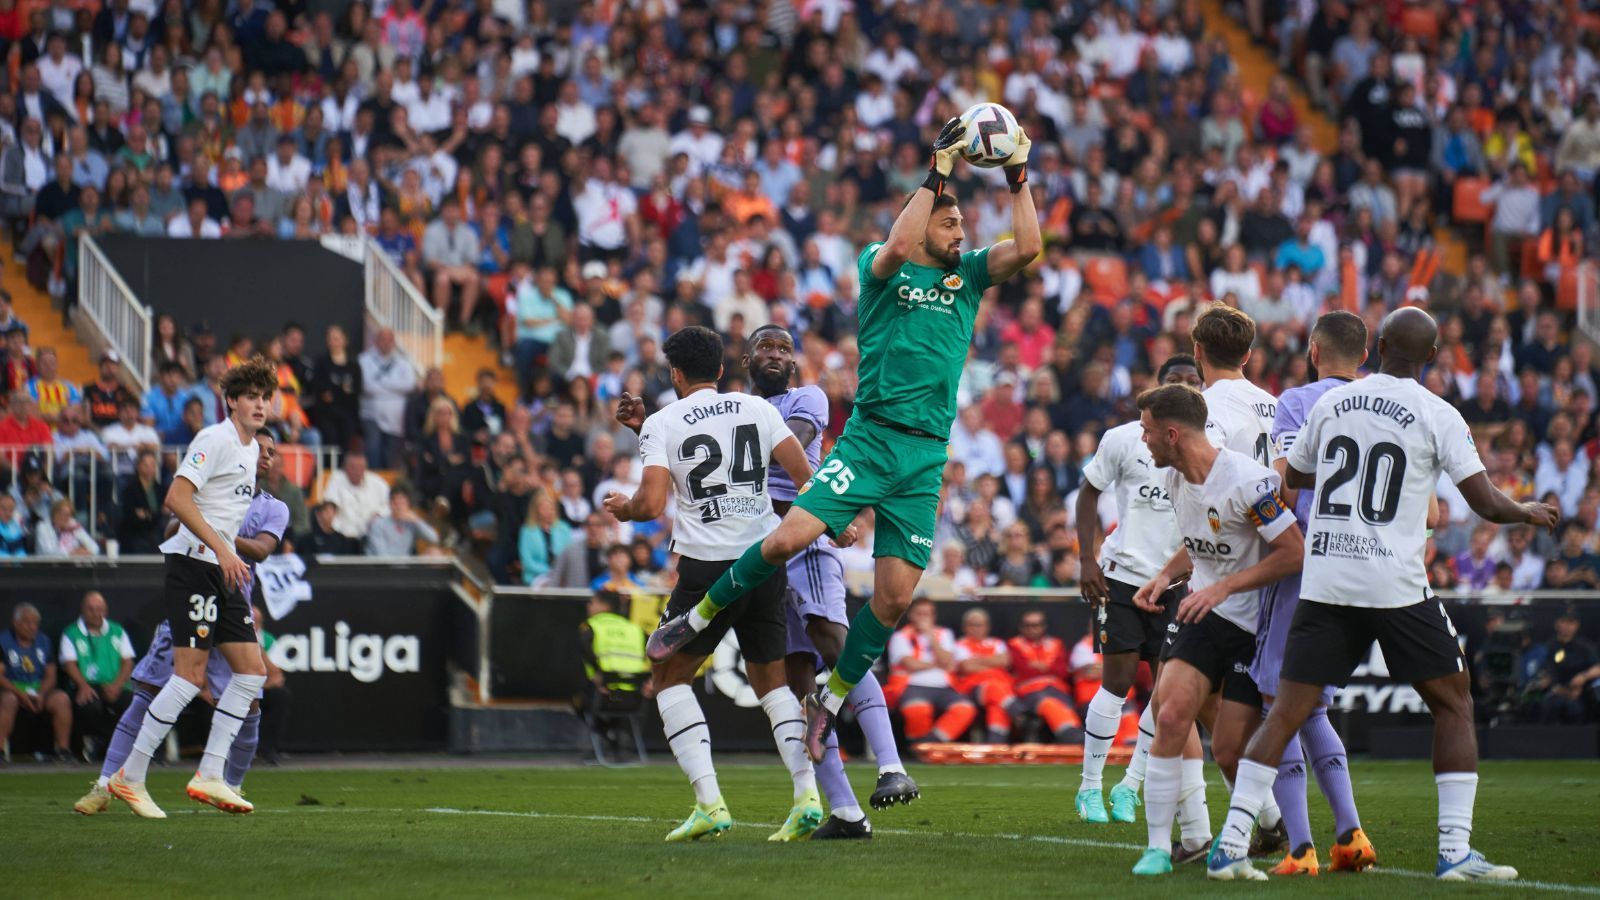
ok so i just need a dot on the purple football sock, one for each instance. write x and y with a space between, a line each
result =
243 751
873 715
127 730
1332 768
831 778
1290 792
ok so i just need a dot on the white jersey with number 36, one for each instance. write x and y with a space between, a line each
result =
1377 447
1239 416
717 447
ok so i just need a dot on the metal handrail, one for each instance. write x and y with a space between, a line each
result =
392 301
115 310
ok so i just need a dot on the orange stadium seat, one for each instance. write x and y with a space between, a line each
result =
1107 278
1469 207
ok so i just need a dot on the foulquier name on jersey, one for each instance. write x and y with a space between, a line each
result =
1378 406
702 413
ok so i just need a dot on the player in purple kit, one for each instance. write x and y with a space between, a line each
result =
1338 348
259 535
815 600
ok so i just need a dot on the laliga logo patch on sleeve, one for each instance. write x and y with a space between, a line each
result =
197 458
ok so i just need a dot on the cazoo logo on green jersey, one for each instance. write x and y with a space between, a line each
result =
916 296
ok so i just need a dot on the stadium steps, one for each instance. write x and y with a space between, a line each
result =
45 328
463 358
1258 66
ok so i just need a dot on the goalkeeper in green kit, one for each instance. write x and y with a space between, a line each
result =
919 296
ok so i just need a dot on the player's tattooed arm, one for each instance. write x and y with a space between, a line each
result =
647 503
1487 501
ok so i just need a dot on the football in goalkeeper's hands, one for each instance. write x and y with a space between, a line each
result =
991 135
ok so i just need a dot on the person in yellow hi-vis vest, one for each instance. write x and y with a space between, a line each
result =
612 647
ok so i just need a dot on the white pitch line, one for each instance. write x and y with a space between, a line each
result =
1555 887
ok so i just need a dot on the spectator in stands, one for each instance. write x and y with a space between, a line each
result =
140 505
543 539
50 393
61 535
1573 567
21 428
324 537
922 657
359 494
337 385
1475 568
164 401
1572 665
579 351
105 395
196 222
485 416
1516 216
386 378
81 457
1527 567
401 532
97 658
13 531
578 565
538 311
28 688
450 251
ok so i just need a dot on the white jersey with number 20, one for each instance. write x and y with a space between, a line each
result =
717 447
1377 447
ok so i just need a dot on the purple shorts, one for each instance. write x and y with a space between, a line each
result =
816 590
1278 603
155 667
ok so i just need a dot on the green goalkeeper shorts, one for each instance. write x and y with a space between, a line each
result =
895 473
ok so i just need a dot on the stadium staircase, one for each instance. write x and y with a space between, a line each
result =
464 357
45 326
1258 66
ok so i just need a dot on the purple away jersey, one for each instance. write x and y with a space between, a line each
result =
808 404
816 574
1278 601
267 515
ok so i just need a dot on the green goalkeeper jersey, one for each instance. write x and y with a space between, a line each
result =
915 330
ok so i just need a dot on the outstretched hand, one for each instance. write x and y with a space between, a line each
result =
947 146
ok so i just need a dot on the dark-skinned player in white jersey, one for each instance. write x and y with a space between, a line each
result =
1374 450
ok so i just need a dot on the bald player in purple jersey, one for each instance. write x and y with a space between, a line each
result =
259 535
1338 347
815 601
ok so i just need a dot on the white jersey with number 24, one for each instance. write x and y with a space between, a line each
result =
717 447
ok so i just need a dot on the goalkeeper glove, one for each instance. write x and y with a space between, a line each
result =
1017 163
946 147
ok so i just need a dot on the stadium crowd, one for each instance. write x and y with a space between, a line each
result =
573 181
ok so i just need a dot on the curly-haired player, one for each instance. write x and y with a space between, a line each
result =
206 593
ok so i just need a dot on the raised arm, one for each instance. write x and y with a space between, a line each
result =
1007 258
912 223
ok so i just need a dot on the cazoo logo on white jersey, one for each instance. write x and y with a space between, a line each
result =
364 656
915 296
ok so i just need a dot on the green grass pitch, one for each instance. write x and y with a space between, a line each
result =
543 831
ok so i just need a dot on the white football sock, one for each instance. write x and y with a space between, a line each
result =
1099 731
1194 816
1133 778
163 713
789 733
1457 792
1254 787
1269 817
690 739
1163 779
697 621
232 707
852 813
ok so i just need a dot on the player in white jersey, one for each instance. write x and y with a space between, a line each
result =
1237 537
1146 536
1373 450
1239 414
206 593
712 451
